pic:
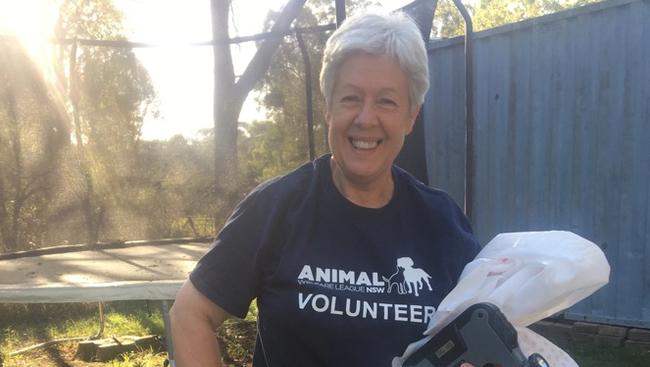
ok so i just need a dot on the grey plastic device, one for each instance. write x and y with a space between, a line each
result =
482 336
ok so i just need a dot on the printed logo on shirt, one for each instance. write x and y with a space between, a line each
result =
405 280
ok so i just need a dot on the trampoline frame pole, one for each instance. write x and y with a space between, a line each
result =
168 333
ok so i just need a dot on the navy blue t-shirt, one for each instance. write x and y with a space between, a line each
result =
336 284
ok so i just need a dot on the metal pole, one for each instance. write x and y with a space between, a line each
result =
308 96
340 12
102 321
422 12
470 173
168 334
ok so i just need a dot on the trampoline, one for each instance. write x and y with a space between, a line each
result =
136 270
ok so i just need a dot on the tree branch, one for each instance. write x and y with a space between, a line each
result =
31 188
262 59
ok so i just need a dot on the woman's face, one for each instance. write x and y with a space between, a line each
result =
369 116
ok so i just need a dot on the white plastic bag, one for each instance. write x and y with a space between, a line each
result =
529 276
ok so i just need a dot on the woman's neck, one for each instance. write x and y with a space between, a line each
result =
375 193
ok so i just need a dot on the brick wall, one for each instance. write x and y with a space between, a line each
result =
563 334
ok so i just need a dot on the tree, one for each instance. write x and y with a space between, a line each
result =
447 21
230 93
33 134
493 13
110 93
280 143
175 199
274 146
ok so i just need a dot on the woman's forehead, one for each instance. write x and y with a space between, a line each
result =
375 72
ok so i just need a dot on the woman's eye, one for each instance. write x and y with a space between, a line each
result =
350 99
387 102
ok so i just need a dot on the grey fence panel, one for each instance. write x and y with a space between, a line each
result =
448 135
562 107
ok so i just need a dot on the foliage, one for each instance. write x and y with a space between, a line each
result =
106 183
176 195
274 146
110 93
231 92
33 134
140 359
280 143
493 13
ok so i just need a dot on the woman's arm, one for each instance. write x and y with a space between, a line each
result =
194 321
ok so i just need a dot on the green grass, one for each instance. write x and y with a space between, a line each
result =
23 326
594 356
142 359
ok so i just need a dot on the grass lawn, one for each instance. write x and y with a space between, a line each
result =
594 356
25 325
22 326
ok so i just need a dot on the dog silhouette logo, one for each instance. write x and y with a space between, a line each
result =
407 279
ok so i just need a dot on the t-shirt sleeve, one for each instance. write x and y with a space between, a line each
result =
469 245
473 247
228 274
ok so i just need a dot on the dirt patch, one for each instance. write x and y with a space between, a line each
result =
237 342
59 355
64 355
236 338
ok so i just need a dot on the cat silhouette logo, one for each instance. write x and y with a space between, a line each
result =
407 279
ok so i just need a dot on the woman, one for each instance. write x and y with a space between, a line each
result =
347 256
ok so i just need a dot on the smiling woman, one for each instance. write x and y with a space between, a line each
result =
352 216
368 117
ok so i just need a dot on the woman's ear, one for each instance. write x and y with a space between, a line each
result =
327 114
412 119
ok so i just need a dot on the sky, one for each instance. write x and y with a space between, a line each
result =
182 75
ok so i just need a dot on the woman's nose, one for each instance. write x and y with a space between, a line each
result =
367 115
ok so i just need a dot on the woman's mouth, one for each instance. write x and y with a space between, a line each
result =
364 144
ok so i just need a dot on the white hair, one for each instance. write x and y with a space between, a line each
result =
395 35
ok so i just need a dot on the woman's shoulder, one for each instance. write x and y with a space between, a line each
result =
292 184
436 197
444 211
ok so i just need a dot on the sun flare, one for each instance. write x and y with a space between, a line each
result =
31 22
